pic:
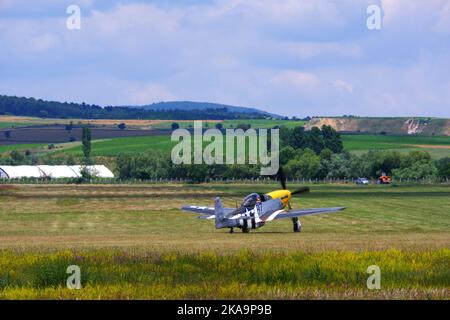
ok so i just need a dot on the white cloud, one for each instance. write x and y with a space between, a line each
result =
308 50
292 57
43 42
141 94
272 11
343 86
442 25
297 79
133 20
420 16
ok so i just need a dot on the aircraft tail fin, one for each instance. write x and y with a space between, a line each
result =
218 211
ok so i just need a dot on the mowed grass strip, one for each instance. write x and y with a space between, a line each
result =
132 242
115 274
148 216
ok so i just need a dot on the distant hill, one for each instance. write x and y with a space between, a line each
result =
190 105
20 106
392 126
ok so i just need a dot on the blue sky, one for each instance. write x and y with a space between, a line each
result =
292 57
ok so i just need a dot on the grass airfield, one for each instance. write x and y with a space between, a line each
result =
131 241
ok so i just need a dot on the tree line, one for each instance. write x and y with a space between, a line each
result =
314 154
32 107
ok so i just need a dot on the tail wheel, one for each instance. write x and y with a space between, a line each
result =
297 225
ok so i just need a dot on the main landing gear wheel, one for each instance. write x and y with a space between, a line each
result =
245 230
297 225
231 230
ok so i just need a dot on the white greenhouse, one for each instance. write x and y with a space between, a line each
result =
98 171
16 172
54 172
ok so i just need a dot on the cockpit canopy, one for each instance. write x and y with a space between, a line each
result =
250 200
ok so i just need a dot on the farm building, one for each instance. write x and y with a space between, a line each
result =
54 172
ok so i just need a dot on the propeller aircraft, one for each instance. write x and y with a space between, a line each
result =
257 209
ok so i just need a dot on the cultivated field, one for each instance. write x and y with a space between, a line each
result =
438 147
131 241
17 121
147 135
59 134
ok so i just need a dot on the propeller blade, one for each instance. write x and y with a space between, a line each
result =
282 178
301 190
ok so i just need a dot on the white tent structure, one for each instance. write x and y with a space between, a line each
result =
16 172
98 171
58 172
53 172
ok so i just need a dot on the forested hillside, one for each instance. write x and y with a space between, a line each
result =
191 105
52 109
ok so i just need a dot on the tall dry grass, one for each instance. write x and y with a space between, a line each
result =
114 274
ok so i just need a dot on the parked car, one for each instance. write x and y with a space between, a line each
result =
362 181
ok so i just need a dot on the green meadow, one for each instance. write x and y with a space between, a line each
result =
133 242
116 146
20 147
8 125
365 141
437 146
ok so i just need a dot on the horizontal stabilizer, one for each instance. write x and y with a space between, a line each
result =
205 210
207 217
302 212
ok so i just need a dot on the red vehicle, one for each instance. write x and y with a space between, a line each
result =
385 179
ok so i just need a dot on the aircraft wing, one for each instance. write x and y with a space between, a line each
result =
205 210
280 214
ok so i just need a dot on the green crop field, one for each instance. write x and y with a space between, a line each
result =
131 241
7 125
365 142
19 147
132 145
113 147
438 146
